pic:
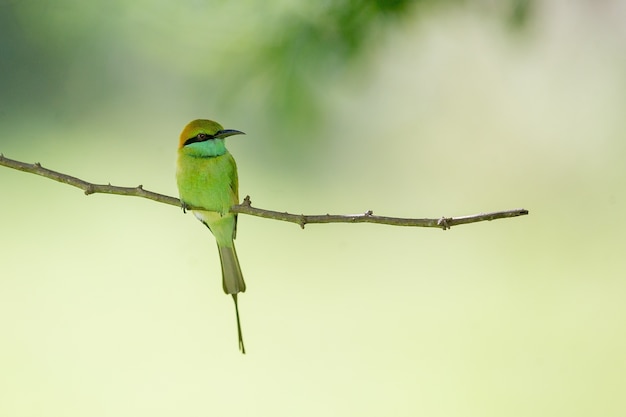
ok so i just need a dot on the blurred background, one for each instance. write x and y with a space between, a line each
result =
112 306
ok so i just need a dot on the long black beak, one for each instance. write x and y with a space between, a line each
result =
227 132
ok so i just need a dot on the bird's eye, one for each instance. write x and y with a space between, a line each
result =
202 136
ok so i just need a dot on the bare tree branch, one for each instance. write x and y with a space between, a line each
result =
246 208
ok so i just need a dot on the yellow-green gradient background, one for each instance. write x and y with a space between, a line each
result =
112 306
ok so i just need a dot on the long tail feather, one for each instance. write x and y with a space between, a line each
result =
242 348
232 278
232 282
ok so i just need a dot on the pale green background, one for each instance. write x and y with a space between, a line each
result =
112 306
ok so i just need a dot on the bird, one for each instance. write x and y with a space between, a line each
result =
206 175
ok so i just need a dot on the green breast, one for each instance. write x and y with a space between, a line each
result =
209 182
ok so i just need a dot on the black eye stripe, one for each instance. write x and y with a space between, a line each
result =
200 137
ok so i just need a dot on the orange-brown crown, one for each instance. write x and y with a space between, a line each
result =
197 126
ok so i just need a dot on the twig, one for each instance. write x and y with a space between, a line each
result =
246 208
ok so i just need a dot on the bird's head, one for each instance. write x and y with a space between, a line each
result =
205 138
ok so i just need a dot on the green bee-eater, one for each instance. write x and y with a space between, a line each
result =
207 177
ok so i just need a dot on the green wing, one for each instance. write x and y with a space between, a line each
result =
234 187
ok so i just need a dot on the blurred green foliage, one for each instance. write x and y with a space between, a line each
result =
521 12
68 59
